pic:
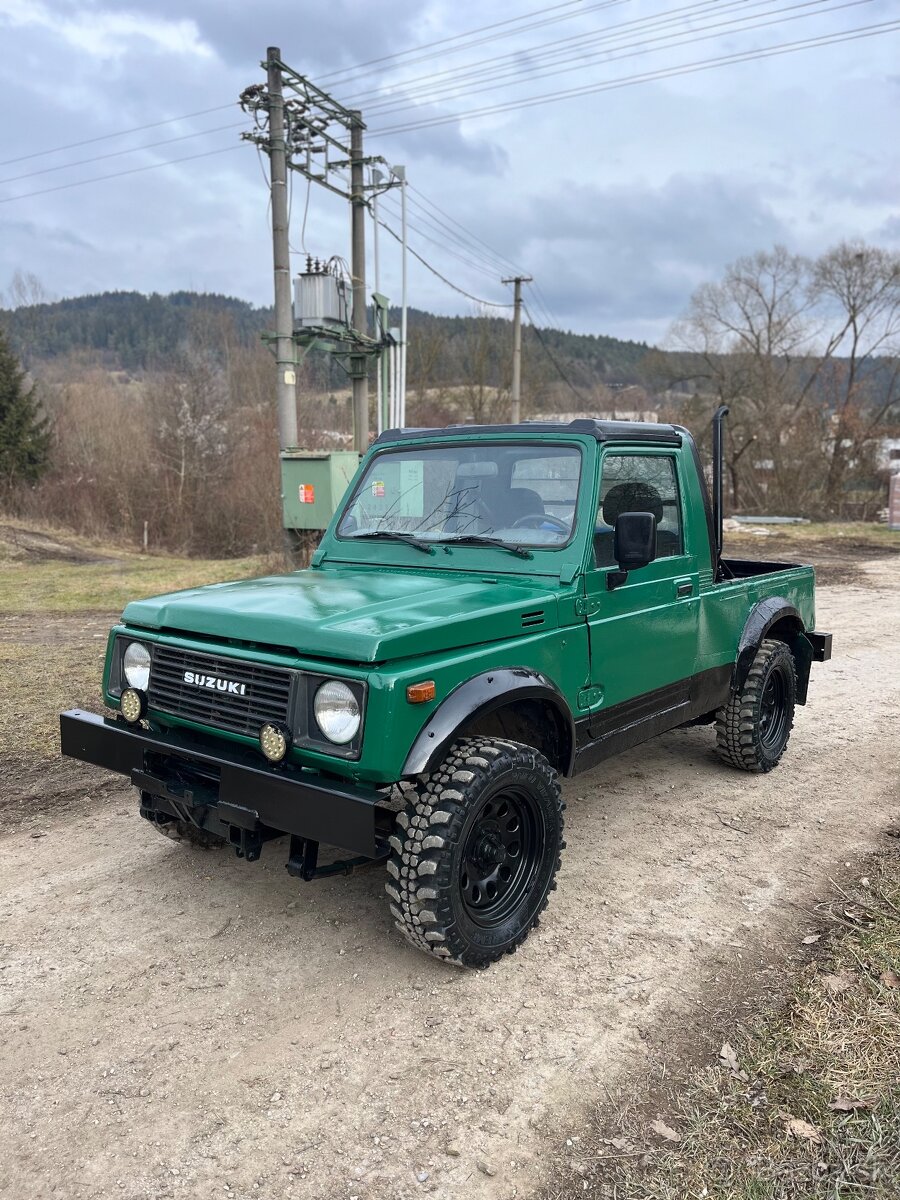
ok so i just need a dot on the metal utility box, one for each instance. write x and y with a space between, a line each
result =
313 484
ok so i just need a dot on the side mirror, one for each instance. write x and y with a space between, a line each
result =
635 540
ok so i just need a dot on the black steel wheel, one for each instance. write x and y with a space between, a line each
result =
476 851
752 730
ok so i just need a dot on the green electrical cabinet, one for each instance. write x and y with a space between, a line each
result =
313 484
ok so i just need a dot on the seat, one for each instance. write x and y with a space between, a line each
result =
631 496
492 505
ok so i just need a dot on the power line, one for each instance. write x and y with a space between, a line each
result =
120 133
487 303
865 31
461 249
553 49
515 74
118 153
552 321
472 264
505 263
552 358
169 162
359 68
527 102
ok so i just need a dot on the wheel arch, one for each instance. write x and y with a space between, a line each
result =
519 696
775 617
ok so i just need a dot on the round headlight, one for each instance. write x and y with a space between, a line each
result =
136 665
131 705
337 712
274 742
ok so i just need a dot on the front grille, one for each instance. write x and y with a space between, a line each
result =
267 690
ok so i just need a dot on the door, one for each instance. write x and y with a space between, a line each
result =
643 633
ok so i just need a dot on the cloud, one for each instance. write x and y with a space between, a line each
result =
449 146
619 203
637 252
104 34
890 231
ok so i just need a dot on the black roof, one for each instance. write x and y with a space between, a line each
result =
603 431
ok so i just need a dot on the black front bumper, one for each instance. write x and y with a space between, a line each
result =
224 790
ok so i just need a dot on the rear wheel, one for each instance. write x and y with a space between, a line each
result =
476 851
752 730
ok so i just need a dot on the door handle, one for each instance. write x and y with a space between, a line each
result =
684 589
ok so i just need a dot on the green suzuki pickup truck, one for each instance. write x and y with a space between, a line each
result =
492 608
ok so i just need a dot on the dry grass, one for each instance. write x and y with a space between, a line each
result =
43 570
59 594
808 1108
865 533
41 681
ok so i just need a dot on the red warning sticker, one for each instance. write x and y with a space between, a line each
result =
307 493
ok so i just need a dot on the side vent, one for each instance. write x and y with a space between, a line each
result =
532 619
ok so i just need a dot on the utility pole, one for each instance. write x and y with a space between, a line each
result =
400 173
515 393
377 180
286 383
358 374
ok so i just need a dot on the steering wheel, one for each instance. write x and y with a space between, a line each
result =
535 520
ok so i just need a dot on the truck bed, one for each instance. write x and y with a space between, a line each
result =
746 568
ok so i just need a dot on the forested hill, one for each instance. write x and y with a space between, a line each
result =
132 332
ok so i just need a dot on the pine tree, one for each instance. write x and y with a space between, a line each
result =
24 433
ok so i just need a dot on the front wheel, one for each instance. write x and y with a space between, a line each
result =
752 730
476 851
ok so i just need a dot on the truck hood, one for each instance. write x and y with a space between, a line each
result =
355 615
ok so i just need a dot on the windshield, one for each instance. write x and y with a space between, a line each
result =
486 492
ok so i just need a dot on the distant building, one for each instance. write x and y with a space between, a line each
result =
889 454
616 414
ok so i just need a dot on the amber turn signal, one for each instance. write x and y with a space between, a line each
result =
419 693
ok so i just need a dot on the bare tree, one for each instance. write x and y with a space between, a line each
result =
800 351
189 408
25 290
484 397
858 286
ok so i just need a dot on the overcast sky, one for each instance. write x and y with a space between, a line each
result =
618 202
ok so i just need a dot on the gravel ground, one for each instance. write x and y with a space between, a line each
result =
178 1024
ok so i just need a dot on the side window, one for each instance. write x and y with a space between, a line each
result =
638 483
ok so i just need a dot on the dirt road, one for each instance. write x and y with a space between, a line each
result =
175 1024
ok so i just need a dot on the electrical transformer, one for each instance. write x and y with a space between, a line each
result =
320 297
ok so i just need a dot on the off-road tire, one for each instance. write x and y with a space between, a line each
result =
455 817
752 730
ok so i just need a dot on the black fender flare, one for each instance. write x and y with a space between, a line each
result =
763 617
483 694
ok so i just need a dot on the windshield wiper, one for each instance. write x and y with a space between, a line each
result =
480 539
395 536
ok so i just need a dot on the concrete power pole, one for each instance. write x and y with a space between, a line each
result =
358 211
286 384
516 392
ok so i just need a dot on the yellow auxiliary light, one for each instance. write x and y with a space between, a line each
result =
274 742
133 705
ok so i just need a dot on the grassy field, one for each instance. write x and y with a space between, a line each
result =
50 571
58 597
805 1107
